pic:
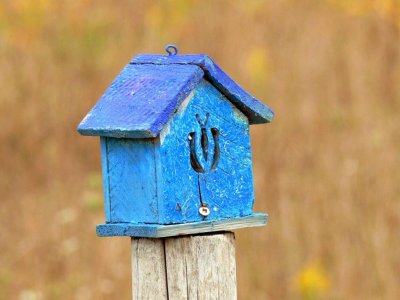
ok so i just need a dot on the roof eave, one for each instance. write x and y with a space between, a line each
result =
94 124
118 133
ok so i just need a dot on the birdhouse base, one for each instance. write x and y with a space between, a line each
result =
160 231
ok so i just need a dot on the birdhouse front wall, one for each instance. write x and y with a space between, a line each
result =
205 158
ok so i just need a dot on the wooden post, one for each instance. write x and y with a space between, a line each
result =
186 267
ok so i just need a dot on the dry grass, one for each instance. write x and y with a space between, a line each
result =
326 169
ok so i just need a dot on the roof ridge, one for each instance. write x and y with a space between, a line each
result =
256 111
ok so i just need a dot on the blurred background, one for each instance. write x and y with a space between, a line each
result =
326 169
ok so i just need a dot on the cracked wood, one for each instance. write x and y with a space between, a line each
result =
192 267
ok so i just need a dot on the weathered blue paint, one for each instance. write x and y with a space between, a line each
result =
227 190
152 180
140 101
256 111
106 182
160 231
145 94
155 178
131 169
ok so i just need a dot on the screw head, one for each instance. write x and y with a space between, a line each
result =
204 210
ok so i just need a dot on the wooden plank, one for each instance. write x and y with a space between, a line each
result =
227 189
158 231
140 101
195 267
148 263
256 111
106 179
132 180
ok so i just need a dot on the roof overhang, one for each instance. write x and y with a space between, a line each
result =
144 96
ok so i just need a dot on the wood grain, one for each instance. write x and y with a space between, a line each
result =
131 180
228 189
158 231
140 101
145 94
148 261
256 111
193 267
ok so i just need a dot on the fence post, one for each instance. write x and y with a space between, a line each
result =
186 267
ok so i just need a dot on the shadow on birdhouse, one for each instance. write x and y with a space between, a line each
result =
175 147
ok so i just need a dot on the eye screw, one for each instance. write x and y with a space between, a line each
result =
204 210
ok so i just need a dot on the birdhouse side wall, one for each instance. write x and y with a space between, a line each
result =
129 180
205 157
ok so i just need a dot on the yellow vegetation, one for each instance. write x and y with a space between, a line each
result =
312 282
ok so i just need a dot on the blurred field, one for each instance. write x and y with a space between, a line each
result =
326 169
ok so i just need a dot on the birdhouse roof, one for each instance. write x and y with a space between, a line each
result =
144 96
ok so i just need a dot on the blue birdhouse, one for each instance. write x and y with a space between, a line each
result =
175 148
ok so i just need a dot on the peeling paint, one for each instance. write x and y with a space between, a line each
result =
180 110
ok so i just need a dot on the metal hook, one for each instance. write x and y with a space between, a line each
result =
171 49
